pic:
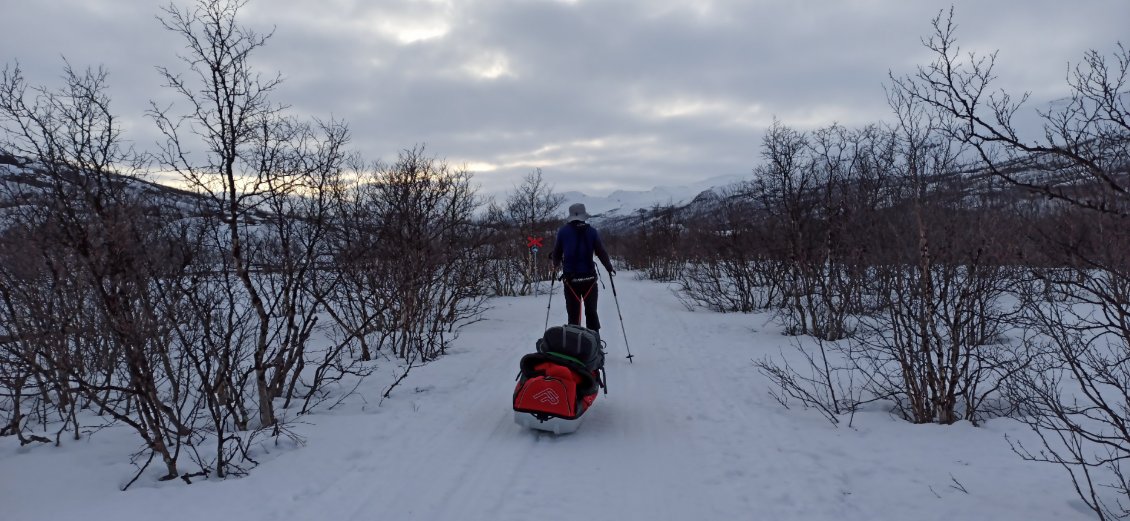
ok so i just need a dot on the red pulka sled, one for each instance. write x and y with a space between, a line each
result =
559 382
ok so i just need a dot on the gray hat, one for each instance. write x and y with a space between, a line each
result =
577 213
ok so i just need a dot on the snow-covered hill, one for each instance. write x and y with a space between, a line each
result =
22 176
23 181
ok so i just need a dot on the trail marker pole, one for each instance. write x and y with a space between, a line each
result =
534 243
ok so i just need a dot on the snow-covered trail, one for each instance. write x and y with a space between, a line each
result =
687 431
647 450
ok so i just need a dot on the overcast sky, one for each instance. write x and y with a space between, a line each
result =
600 94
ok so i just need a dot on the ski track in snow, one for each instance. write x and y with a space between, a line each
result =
687 432
498 467
684 433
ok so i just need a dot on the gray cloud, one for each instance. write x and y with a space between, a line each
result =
600 94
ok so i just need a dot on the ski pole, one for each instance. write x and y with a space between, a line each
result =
550 303
612 280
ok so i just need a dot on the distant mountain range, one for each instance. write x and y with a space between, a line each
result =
622 203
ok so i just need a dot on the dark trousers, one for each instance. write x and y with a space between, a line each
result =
578 290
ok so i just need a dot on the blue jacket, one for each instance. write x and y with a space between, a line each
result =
576 243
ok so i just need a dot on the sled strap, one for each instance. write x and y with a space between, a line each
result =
567 282
566 357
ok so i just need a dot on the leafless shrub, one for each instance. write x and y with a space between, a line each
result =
187 323
817 198
530 211
417 256
886 245
935 348
96 254
1074 392
657 247
728 267
826 382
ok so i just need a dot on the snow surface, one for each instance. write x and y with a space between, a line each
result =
687 432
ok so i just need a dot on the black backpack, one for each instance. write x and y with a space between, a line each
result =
576 342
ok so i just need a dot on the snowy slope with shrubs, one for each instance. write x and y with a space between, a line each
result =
687 431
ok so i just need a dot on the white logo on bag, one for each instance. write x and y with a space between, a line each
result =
547 396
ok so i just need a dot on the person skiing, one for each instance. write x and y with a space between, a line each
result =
573 251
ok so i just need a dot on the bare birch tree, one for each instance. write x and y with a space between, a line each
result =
1075 395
